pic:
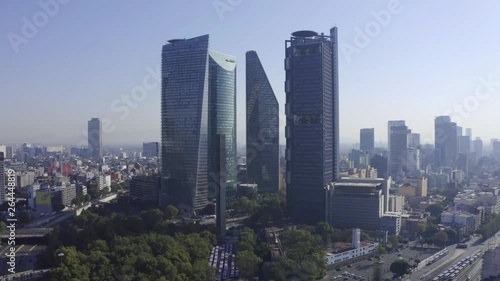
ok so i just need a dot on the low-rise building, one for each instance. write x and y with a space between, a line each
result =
460 218
345 252
396 203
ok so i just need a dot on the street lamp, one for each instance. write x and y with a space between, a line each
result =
60 255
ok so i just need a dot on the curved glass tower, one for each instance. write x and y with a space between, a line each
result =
222 116
262 128
198 103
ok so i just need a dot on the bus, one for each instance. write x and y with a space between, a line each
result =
462 245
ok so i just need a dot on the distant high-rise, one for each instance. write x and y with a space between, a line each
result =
413 140
379 162
9 152
262 128
150 149
445 140
468 132
367 139
398 143
312 122
478 147
496 150
464 143
459 131
2 178
95 139
198 102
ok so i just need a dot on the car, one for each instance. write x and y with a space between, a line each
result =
338 269
349 265
370 259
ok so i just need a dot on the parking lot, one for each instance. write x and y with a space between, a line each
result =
363 270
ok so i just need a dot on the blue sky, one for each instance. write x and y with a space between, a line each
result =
427 58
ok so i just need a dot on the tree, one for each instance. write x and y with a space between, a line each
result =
243 205
394 240
440 238
247 240
435 210
382 249
400 267
248 264
170 212
3 227
72 265
364 236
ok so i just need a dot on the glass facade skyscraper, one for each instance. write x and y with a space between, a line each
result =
95 138
367 139
198 102
398 145
222 117
445 141
312 123
262 128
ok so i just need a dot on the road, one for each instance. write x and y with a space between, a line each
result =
429 272
365 268
26 257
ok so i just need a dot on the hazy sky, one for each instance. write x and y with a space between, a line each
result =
410 60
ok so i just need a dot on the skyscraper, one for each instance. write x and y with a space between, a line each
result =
198 102
413 140
478 147
95 139
464 144
262 127
312 119
398 143
468 132
222 118
445 141
367 139
150 149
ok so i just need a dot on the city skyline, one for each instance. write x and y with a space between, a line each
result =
436 92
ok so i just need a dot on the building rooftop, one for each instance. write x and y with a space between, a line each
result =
357 184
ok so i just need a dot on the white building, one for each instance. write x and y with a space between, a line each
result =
55 148
356 250
460 218
396 203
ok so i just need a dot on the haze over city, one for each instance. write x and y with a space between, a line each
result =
413 62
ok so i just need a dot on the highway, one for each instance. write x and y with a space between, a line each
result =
455 255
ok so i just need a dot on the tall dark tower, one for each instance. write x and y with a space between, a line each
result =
221 185
367 139
445 140
312 122
95 139
262 128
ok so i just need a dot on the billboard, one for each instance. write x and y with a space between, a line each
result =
43 197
